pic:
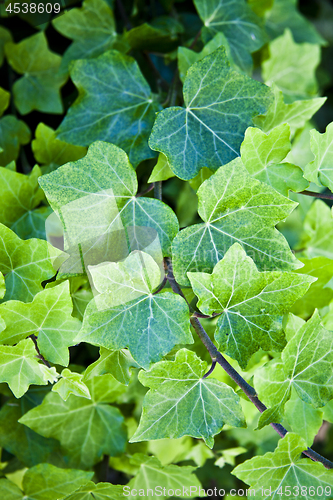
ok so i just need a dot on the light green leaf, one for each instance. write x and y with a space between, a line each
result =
259 7
4 100
319 294
92 29
105 178
121 112
241 26
320 170
39 88
117 362
99 491
181 403
19 368
160 35
306 365
273 472
71 383
2 286
152 474
316 240
128 314
5 36
250 303
9 490
303 418
294 73
208 131
86 429
161 171
25 264
13 134
235 208
285 14
20 194
296 113
262 153
187 57
48 149
48 317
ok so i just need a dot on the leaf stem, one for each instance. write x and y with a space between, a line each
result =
196 38
39 355
145 191
317 195
123 14
173 283
158 190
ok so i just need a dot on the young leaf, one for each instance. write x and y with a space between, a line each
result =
306 365
19 368
273 472
48 149
219 106
86 429
241 26
235 208
320 170
39 88
99 491
262 153
152 474
294 73
127 314
117 362
250 303
92 29
4 100
71 383
25 264
105 176
121 112
181 403
316 239
161 171
13 134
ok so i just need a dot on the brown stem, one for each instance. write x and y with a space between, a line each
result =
39 355
145 191
317 195
196 38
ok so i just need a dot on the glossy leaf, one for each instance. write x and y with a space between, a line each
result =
117 113
235 208
208 131
181 403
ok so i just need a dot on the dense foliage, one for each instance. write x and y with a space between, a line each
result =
166 250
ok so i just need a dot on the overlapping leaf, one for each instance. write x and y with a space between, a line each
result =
39 88
180 402
127 314
241 26
251 303
115 104
117 362
71 383
235 208
20 368
274 472
219 105
85 428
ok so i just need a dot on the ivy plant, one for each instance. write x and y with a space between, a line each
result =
166 259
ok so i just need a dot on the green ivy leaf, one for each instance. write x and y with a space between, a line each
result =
39 88
99 491
250 303
235 208
5 36
219 106
240 25
317 232
2 286
4 100
48 317
294 73
160 35
71 383
13 134
107 177
48 149
128 314
45 482
92 29
306 365
181 403
273 472
19 368
118 113
152 474
303 418
32 223
117 362
296 113
320 170
262 153
86 429
161 171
